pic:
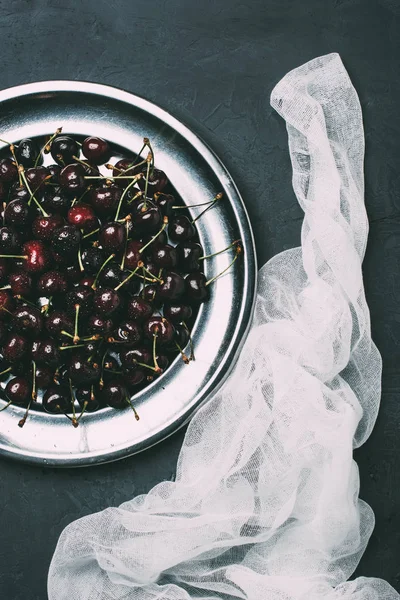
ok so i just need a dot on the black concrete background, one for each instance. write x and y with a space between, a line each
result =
213 63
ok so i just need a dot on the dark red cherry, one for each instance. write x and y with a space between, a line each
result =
37 178
87 281
3 191
63 149
51 283
177 313
43 228
19 214
133 255
44 376
66 240
18 391
131 283
110 276
181 336
139 309
6 304
172 288
160 239
130 358
181 229
72 273
28 321
99 325
165 256
196 289
79 295
8 170
46 352
3 268
161 327
56 399
15 348
17 191
82 217
106 301
189 254
82 371
56 200
157 180
27 152
125 167
105 199
115 394
10 241
147 219
96 150
134 379
128 332
58 321
165 202
54 171
93 259
72 178
150 293
89 397
21 284
112 236
38 257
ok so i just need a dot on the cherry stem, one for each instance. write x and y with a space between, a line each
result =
40 207
149 160
165 223
76 337
134 180
81 267
10 144
91 233
185 359
156 370
155 336
238 251
133 408
150 274
34 394
191 357
5 287
83 408
139 265
12 150
235 243
5 371
47 147
147 142
126 244
124 171
138 195
197 205
10 401
13 256
100 270
74 420
217 197
82 162
22 422
67 334
72 347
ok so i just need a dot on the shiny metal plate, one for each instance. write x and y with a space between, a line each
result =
221 326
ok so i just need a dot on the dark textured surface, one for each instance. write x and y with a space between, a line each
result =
213 63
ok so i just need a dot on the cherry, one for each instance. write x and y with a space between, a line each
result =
44 376
110 276
133 379
18 391
196 289
81 295
132 254
96 150
51 283
27 152
66 240
54 171
99 325
56 399
181 229
125 167
147 219
172 288
18 213
129 282
28 321
182 336
88 398
189 254
9 240
72 273
150 293
177 313
157 180
82 371
3 191
112 236
37 178
43 228
8 170
46 352
37 256
87 281
128 332
165 202
72 178
105 199
18 191
83 217
92 259
6 304
132 357
106 301
139 309
160 327
115 394
165 256
160 238
15 348
63 149
21 284
3 269
56 200
58 321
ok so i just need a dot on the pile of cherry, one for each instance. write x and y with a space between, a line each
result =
100 276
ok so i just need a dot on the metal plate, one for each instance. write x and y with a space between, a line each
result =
222 323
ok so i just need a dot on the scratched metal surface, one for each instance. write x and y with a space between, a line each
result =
213 65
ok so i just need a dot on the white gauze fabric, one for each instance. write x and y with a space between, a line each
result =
265 503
